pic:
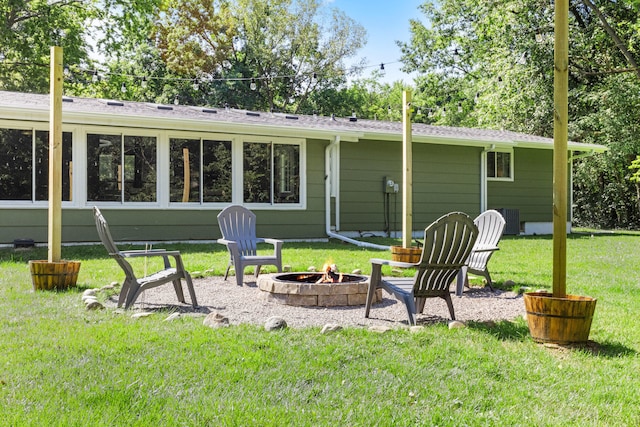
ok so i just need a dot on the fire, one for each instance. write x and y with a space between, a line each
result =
330 274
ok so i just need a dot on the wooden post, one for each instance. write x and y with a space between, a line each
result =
55 156
407 172
560 156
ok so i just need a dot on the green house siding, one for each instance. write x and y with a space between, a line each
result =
531 191
445 178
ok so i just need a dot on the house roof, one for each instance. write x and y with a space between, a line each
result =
35 107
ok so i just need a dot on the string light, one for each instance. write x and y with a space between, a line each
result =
456 56
96 76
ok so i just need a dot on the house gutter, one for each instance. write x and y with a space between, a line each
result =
328 176
483 176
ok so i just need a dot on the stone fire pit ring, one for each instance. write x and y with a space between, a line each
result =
300 289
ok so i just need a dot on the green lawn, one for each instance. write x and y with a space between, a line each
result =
61 365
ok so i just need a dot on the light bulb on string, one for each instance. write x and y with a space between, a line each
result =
477 97
196 85
459 107
95 77
123 88
176 101
456 56
144 82
500 82
389 111
381 66
253 85
444 111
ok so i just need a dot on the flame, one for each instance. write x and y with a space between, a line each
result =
330 273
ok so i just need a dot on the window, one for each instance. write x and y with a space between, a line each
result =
24 165
200 170
121 168
271 173
500 165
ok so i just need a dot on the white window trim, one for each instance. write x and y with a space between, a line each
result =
122 132
79 181
238 175
511 164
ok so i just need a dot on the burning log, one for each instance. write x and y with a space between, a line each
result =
330 274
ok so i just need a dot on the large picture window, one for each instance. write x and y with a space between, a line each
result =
121 168
200 170
24 165
271 173
500 165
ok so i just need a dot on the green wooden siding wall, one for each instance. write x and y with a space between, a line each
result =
531 191
445 179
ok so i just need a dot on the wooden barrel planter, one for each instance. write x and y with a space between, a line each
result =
47 276
412 254
559 320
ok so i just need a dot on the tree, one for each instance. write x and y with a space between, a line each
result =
264 54
27 31
500 55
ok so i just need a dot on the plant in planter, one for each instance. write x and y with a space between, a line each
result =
557 317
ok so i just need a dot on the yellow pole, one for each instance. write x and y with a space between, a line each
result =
407 171
55 156
560 156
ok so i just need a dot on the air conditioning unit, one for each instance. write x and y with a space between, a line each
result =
512 218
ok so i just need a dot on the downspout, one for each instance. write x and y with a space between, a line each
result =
328 176
483 177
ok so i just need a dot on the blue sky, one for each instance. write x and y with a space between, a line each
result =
385 21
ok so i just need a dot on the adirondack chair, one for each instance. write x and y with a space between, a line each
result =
447 245
490 227
238 228
133 286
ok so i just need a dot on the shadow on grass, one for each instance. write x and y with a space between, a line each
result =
593 348
504 330
518 331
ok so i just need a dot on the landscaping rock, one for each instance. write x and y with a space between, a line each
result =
275 323
141 314
456 324
286 268
330 327
379 329
89 300
356 271
95 305
89 293
216 320
109 287
172 316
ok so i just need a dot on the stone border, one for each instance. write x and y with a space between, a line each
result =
316 294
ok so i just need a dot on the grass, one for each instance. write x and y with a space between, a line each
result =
61 365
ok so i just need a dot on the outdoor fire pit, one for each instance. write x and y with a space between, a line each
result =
323 289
